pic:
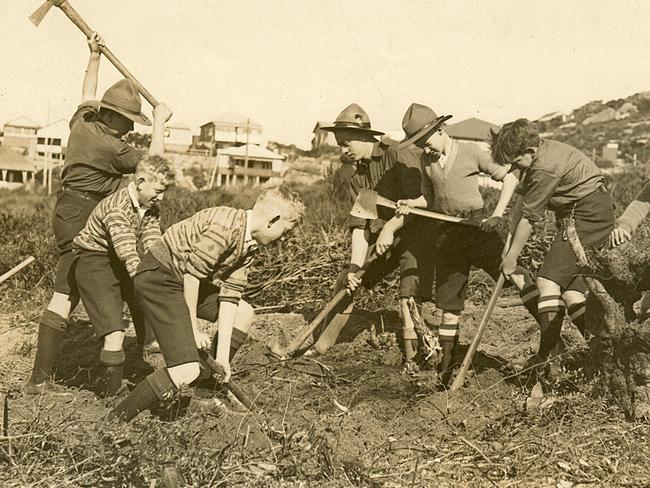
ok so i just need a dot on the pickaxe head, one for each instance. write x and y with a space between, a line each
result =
42 11
365 206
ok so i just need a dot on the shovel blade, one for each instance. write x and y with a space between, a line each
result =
37 17
365 206
278 347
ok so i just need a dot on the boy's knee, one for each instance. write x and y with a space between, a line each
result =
573 297
245 316
62 304
184 374
547 287
113 341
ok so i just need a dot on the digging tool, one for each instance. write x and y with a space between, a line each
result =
365 207
217 371
76 19
460 377
15 269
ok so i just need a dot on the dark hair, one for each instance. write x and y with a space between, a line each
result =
513 140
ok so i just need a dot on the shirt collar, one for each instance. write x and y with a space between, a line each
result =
249 242
133 195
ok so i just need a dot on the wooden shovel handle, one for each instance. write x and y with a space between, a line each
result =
385 202
233 387
460 377
15 269
77 20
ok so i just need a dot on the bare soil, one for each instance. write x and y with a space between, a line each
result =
349 418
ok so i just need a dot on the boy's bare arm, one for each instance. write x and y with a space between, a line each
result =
161 114
227 312
191 295
510 183
519 240
89 88
358 252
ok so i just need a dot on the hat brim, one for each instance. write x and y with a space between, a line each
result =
362 130
138 118
426 130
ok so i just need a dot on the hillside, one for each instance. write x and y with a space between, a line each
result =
625 121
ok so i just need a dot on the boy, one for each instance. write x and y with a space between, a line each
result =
119 230
561 178
96 159
392 172
453 168
199 269
634 214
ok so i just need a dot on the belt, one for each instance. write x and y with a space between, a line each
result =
83 194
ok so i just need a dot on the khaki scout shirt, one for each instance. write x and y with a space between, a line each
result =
95 158
559 176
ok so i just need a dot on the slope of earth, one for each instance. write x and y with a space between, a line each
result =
349 418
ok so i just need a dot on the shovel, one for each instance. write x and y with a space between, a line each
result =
217 371
365 207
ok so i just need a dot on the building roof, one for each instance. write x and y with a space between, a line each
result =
551 116
23 122
234 119
11 160
254 152
60 128
471 129
322 123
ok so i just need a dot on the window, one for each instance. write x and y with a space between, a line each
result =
40 140
56 141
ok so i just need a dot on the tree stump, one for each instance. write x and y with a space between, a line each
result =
620 346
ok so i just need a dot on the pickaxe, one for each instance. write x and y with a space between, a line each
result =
15 269
76 19
217 371
365 207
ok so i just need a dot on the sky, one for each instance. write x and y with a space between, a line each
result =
288 64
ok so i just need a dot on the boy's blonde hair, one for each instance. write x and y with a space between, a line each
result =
283 199
157 167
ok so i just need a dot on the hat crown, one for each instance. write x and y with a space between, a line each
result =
123 95
353 116
417 117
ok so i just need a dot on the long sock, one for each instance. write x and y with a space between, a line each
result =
551 322
50 337
113 371
529 297
448 338
577 316
155 387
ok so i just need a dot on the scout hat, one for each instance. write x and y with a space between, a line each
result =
123 98
353 117
419 121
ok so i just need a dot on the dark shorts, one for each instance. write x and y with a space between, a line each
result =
71 212
159 294
459 247
594 219
104 285
413 253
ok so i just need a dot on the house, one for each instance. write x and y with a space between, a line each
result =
178 137
230 129
52 140
322 138
15 169
248 164
471 130
610 152
20 135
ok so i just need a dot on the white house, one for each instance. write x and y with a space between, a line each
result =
20 135
178 137
230 129
52 140
248 164
15 169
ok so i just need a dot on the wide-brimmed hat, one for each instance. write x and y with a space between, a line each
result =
123 98
419 121
353 117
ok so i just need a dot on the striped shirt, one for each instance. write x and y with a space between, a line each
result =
116 225
212 245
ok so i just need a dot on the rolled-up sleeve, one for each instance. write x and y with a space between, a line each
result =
487 165
232 288
538 188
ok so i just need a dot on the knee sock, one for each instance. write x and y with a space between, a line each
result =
448 339
154 388
113 371
577 316
551 314
50 337
529 297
